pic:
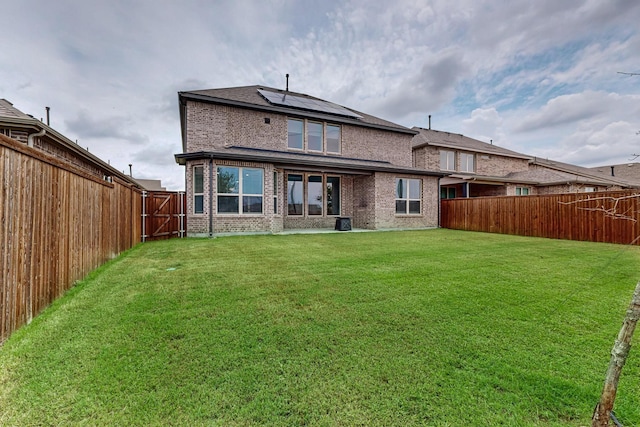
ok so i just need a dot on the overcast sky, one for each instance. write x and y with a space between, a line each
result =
539 77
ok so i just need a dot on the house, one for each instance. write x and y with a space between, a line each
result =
34 133
483 169
260 159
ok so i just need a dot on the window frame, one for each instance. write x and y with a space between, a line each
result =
310 124
241 194
408 198
464 162
338 141
523 191
198 195
446 163
291 120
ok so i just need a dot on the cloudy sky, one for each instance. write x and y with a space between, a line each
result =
539 77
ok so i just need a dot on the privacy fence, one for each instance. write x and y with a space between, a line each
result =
611 217
57 223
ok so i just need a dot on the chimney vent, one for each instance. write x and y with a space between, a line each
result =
612 172
429 121
287 75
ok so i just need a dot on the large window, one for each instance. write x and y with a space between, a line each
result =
198 190
467 162
295 131
240 190
408 196
322 195
447 160
276 186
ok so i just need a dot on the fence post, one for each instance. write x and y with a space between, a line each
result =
619 355
144 216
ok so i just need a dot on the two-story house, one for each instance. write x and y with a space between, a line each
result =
260 159
478 169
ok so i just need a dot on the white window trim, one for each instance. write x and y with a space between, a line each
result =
240 194
447 166
409 199
193 187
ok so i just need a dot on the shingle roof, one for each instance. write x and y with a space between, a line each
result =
457 141
249 97
586 174
8 110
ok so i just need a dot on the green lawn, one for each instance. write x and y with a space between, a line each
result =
435 328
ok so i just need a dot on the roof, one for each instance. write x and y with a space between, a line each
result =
587 175
249 97
303 161
12 117
8 110
457 141
627 171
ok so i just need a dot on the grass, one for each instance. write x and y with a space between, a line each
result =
438 328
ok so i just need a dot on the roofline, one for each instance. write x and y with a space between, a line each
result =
598 179
303 162
32 123
474 150
290 112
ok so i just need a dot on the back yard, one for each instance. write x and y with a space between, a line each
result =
438 328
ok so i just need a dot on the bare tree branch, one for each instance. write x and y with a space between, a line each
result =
611 212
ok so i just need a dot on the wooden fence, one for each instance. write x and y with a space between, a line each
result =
57 223
611 217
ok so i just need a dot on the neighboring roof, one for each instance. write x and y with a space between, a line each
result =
587 175
150 184
627 171
8 110
457 141
12 117
249 97
302 161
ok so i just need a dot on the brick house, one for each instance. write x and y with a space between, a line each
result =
478 169
259 159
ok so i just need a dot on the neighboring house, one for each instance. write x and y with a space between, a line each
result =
480 169
150 184
260 159
32 132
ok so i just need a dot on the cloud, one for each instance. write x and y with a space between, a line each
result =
115 127
484 124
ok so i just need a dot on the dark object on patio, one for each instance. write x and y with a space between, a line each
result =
343 223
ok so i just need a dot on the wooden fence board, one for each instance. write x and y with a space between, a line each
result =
609 217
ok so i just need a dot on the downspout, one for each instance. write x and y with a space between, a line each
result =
33 135
210 197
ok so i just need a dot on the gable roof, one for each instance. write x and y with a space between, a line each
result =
585 175
8 110
626 171
457 141
248 97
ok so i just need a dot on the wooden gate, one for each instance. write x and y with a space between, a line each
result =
163 215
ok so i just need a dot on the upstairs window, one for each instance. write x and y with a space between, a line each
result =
314 136
295 132
408 196
447 160
333 139
467 162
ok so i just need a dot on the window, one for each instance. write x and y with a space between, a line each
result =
314 195
240 190
333 139
311 136
333 195
589 189
447 160
314 136
322 195
294 194
295 139
467 162
408 196
522 191
275 192
447 192
198 190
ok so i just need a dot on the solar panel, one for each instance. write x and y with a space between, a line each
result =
302 103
